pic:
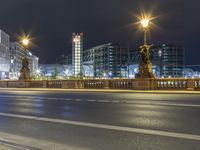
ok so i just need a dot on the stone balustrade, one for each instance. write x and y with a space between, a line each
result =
131 84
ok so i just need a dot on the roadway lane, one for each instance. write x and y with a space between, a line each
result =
174 113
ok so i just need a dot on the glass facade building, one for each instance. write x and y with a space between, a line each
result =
4 55
169 60
108 60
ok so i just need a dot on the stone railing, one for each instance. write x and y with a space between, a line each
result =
197 84
131 84
172 84
121 84
94 84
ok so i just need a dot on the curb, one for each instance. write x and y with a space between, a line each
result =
102 90
15 146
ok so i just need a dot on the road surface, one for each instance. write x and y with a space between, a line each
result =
69 120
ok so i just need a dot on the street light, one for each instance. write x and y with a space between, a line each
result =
25 71
145 24
25 41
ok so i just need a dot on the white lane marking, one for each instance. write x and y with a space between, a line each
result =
104 101
91 100
68 99
78 100
115 101
107 101
164 104
107 127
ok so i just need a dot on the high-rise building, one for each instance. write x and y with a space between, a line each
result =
4 55
169 60
77 53
34 64
108 60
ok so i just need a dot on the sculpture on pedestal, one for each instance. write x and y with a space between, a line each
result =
145 66
25 71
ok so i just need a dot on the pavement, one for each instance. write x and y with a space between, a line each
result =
91 120
4 147
7 145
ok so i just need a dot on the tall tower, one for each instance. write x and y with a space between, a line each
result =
77 53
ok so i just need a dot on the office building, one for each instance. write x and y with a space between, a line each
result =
169 60
4 55
34 64
108 60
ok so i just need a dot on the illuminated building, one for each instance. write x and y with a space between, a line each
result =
169 60
4 55
77 53
108 60
34 64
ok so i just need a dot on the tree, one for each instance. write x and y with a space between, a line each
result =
54 73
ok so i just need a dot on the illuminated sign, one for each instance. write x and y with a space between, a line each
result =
77 39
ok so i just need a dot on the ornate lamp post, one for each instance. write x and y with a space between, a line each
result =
145 66
25 71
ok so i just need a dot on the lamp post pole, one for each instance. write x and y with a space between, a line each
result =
145 36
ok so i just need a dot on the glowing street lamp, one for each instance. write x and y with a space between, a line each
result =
25 42
145 24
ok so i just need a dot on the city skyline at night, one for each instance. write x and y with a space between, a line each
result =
51 24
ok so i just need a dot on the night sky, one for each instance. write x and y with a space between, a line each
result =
51 23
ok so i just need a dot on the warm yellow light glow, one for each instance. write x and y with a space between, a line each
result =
145 23
145 19
25 41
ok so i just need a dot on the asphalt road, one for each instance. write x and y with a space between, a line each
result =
64 120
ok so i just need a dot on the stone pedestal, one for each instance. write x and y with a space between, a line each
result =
142 84
191 84
106 84
25 71
145 71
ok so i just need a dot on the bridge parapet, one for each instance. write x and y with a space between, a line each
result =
130 84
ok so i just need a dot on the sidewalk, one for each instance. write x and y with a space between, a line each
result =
5 145
9 147
104 90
